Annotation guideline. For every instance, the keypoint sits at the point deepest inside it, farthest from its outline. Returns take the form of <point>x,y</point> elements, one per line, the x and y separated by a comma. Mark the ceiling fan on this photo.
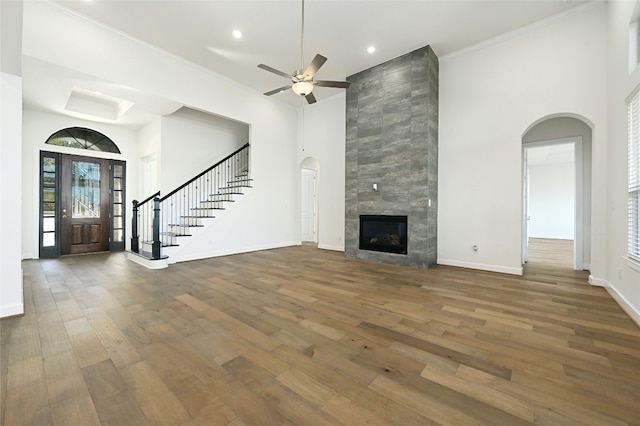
<point>302,82</point>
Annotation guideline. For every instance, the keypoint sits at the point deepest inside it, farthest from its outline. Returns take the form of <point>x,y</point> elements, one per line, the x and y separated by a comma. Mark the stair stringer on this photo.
<point>175,253</point>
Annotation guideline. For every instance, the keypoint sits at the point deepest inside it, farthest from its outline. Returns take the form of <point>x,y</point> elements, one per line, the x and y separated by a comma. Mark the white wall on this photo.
<point>11,294</point>
<point>36,129</point>
<point>117,58</point>
<point>489,96</point>
<point>149,152</point>
<point>621,279</point>
<point>323,127</point>
<point>552,201</point>
<point>192,142</point>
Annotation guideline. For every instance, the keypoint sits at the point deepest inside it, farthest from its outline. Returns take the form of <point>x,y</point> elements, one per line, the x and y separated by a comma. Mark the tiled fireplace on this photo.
<point>392,158</point>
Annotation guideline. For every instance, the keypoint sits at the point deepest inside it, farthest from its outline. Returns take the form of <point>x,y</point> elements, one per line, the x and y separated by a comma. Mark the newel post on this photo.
<point>135,237</point>
<point>155,249</point>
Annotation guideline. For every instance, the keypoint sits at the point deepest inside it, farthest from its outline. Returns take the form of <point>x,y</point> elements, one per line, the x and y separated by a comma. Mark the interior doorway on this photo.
<point>556,205</point>
<point>309,206</point>
<point>550,202</point>
<point>309,195</point>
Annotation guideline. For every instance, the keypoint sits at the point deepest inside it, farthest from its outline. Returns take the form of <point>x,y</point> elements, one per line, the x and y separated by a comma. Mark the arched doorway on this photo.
<point>556,155</point>
<point>309,170</point>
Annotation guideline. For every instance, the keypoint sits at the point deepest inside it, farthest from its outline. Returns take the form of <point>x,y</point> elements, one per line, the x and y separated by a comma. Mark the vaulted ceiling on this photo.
<point>201,32</point>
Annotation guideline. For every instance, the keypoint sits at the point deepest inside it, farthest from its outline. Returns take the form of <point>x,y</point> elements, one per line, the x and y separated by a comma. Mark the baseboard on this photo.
<point>626,306</point>
<point>12,310</point>
<point>329,247</point>
<point>599,282</point>
<point>198,256</point>
<point>147,263</point>
<point>481,266</point>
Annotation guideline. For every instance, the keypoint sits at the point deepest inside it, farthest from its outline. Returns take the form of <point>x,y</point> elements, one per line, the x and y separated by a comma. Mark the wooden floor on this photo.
<point>304,336</point>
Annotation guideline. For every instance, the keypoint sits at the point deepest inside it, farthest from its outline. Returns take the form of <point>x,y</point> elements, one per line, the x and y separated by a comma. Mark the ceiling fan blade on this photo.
<point>310,98</point>
<point>338,84</point>
<point>275,71</point>
<point>314,66</point>
<point>279,90</point>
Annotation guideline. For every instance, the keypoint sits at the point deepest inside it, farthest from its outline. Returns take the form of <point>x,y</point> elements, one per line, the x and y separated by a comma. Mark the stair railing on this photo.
<point>170,216</point>
<point>142,221</point>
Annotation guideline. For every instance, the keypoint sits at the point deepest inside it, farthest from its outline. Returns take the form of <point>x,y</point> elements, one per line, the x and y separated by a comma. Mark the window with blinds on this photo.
<point>634,177</point>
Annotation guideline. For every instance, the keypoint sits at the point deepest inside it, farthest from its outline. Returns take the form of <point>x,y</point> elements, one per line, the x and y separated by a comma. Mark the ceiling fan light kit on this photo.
<point>302,83</point>
<point>302,88</point>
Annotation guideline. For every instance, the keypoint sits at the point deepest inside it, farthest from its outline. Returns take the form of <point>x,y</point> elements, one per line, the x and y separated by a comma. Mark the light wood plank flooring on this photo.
<point>303,336</point>
<point>551,252</point>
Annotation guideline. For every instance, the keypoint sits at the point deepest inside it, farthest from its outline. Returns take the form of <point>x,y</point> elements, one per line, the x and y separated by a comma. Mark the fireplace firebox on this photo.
<point>383,233</point>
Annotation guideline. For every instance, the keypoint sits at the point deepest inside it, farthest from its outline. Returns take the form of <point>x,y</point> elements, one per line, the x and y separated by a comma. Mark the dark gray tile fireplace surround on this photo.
<point>392,144</point>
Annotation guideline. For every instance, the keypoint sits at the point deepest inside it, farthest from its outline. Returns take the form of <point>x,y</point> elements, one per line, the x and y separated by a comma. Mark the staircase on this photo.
<point>161,226</point>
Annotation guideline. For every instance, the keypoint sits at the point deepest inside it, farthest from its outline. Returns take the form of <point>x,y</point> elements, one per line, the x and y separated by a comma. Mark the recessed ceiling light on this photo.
<point>237,33</point>
<point>371,49</point>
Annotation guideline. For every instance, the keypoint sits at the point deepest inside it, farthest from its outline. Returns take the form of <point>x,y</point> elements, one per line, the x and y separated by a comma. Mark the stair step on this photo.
<point>226,198</point>
<point>230,190</point>
<point>150,243</point>
<point>173,234</point>
<point>203,209</point>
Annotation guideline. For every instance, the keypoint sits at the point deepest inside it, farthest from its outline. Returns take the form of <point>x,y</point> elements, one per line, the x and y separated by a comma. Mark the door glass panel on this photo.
<point>48,164</point>
<point>48,224</point>
<point>49,195</point>
<point>117,208</point>
<point>48,209</point>
<point>49,179</point>
<point>48,239</point>
<point>85,190</point>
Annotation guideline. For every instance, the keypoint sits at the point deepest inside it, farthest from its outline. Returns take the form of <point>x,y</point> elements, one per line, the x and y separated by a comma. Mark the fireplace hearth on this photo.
<point>383,233</point>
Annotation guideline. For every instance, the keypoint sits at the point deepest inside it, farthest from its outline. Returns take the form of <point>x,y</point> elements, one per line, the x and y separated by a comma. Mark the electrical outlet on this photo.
<point>619,273</point>
<point>475,247</point>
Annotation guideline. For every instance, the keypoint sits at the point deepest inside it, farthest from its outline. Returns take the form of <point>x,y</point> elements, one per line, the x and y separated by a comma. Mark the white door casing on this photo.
<point>309,206</point>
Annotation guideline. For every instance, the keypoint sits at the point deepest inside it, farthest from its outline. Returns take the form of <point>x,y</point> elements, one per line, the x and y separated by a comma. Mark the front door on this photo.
<point>84,204</point>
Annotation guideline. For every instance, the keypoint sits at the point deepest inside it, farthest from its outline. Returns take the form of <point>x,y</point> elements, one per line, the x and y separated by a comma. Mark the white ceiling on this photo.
<point>200,31</point>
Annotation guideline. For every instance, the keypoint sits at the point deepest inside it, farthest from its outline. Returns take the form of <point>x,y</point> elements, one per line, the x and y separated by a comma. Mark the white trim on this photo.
<point>522,30</point>
<point>147,263</point>
<point>631,263</point>
<point>598,282</point>
<point>330,247</point>
<point>481,266</point>
<point>11,310</point>
<point>624,304</point>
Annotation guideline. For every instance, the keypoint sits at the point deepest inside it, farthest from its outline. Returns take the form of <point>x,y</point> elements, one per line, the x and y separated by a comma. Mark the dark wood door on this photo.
<point>84,205</point>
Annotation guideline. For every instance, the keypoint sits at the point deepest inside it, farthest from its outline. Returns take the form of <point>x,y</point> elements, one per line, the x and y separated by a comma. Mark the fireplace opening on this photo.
<point>383,233</point>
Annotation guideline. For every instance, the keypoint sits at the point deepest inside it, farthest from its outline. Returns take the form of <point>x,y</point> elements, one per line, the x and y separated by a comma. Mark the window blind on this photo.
<point>634,177</point>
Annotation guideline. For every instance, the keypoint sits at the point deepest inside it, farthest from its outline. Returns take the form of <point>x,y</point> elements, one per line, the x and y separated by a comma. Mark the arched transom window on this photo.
<point>82,138</point>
